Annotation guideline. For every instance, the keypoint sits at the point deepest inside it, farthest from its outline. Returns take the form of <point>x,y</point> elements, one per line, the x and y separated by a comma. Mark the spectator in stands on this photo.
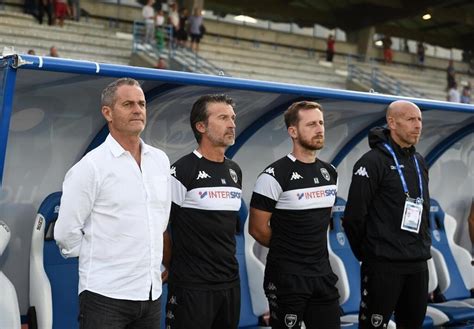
<point>387,49</point>
<point>45,5</point>
<point>161,63</point>
<point>148,13</point>
<point>450,74</point>
<point>406,46</point>
<point>61,11</point>
<point>420,51</point>
<point>29,7</point>
<point>182,34</point>
<point>466,94</point>
<point>75,9</point>
<point>173,17</point>
<point>114,211</point>
<point>31,52</point>
<point>53,52</point>
<point>386,222</point>
<point>160,29</point>
<point>330,48</point>
<point>195,23</point>
<point>453,94</point>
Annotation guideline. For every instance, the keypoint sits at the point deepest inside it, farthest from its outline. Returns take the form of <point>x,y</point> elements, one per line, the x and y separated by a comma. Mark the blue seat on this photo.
<point>458,306</point>
<point>53,279</point>
<point>347,267</point>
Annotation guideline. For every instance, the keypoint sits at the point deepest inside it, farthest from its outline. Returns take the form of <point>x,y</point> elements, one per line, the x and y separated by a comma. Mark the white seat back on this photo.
<point>40,287</point>
<point>461,256</point>
<point>9,309</point>
<point>256,273</point>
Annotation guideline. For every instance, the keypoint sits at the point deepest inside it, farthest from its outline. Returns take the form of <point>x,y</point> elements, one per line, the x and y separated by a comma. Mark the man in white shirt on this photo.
<point>453,94</point>
<point>114,210</point>
<point>148,14</point>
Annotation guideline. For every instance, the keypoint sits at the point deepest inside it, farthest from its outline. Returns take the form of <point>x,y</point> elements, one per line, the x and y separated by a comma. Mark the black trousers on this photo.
<point>388,288</point>
<point>97,311</point>
<point>202,308</point>
<point>295,298</point>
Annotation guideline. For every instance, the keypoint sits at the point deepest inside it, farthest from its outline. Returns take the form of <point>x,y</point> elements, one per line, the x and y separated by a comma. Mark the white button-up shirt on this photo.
<point>113,214</point>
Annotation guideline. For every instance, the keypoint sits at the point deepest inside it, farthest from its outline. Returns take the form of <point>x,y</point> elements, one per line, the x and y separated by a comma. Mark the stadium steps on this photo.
<point>245,59</point>
<point>75,40</point>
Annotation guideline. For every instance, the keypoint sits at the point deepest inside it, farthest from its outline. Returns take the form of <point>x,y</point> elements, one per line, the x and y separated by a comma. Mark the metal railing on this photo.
<point>381,82</point>
<point>184,58</point>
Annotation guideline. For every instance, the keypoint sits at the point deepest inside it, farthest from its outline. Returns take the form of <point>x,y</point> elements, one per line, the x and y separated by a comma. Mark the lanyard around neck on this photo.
<point>400,173</point>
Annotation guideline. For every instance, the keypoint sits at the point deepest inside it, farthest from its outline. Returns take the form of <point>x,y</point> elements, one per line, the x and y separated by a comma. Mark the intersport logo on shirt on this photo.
<point>220,194</point>
<point>317,194</point>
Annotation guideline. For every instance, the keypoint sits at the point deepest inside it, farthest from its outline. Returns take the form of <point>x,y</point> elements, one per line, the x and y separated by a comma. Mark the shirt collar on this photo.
<point>117,149</point>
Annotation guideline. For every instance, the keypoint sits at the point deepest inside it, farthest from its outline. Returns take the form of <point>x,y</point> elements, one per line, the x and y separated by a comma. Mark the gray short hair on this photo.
<point>108,98</point>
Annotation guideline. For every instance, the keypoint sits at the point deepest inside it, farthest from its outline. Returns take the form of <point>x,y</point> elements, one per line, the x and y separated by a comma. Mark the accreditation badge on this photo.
<point>411,219</point>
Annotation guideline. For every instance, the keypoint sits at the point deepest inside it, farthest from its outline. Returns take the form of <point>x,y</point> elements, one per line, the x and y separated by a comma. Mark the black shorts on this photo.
<point>295,298</point>
<point>196,37</point>
<point>387,288</point>
<point>204,309</point>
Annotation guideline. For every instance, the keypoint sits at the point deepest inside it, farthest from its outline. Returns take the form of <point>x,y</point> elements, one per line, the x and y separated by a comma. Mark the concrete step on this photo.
<point>63,47</point>
<point>87,28</point>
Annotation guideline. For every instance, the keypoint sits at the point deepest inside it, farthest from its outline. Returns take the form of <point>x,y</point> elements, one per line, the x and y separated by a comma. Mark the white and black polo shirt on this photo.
<point>206,199</point>
<point>300,197</point>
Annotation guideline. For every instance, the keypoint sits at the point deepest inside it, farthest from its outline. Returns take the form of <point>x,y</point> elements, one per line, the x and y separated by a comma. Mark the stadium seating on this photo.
<point>76,40</point>
<point>9,310</point>
<point>459,305</point>
<point>244,60</point>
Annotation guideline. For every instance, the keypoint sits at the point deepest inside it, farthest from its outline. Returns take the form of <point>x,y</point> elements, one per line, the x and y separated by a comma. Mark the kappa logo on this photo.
<point>202,174</point>
<point>173,171</point>
<point>290,320</point>
<point>376,320</point>
<point>316,180</point>
<point>295,176</point>
<point>361,172</point>
<point>172,300</point>
<point>270,170</point>
<point>271,286</point>
<point>325,174</point>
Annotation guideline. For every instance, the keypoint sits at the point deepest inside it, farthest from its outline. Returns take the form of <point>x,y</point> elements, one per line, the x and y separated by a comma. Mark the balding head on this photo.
<point>404,122</point>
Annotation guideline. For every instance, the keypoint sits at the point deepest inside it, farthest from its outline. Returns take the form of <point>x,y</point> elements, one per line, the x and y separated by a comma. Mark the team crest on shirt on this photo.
<point>233,175</point>
<point>290,320</point>
<point>376,320</point>
<point>325,174</point>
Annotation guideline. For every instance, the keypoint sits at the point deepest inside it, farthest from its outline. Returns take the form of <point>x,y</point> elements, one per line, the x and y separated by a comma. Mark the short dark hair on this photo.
<point>108,98</point>
<point>199,110</point>
<point>291,114</point>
